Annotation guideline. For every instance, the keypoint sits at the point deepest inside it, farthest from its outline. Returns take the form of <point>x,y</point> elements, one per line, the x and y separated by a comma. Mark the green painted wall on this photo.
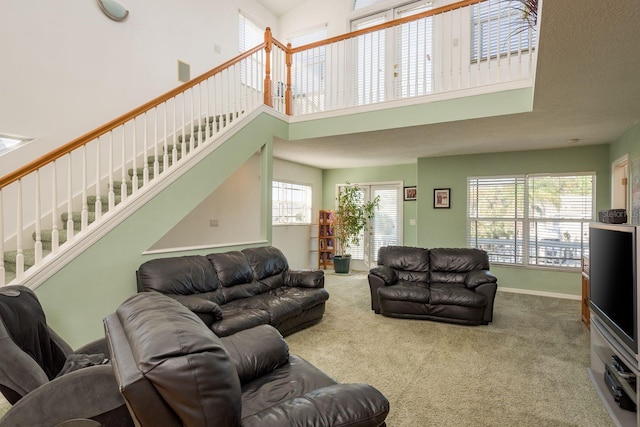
<point>79,296</point>
<point>628,143</point>
<point>405,173</point>
<point>463,108</point>
<point>447,227</point>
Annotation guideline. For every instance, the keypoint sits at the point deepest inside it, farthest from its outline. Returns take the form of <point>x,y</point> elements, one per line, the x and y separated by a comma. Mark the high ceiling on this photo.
<point>587,87</point>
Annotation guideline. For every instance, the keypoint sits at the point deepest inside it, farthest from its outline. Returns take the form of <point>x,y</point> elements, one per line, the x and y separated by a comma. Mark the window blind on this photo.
<point>531,219</point>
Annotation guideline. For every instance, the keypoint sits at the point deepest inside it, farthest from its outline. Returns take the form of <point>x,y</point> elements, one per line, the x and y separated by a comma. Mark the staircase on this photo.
<point>207,128</point>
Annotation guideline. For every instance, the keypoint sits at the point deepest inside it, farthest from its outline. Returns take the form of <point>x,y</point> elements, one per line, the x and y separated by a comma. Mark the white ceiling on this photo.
<point>587,87</point>
<point>280,7</point>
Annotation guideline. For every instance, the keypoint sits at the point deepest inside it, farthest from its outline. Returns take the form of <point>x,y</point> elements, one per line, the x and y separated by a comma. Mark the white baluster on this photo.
<point>208,132</point>
<point>174,152</point>
<point>98,204</point>
<point>195,133</point>
<point>112,194</point>
<point>134,176</point>
<point>70,201</point>
<point>145,160</point>
<point>123,184</point>
<point>165,154</point>
<point>19,231</point>
<point>38,242</point>
<point>156,162</point>
<point>55,234</point>
<point>84,215</point>
<point>183,145</point>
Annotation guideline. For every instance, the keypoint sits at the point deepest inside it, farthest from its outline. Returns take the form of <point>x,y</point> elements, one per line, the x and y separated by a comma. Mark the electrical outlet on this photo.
<point>213,223</point>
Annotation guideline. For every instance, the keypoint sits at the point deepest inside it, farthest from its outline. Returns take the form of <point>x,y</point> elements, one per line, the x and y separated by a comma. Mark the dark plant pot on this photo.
<point>341,263</point>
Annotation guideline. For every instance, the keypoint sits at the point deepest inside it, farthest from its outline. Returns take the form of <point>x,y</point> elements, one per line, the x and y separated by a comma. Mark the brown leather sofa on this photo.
<point>174,371</point>
<point>445,284</point>
<point>238,290</point>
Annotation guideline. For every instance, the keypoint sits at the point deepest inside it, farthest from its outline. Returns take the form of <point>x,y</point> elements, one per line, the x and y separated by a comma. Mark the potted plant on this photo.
<point>351,219</point>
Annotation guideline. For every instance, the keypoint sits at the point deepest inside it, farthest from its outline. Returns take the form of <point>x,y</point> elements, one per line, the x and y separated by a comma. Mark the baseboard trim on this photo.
<point>540,293</point>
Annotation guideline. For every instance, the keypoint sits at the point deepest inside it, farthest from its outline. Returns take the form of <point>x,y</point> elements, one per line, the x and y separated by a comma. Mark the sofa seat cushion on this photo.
<point>405,291</point>
<point>291,380</point>
<point>448,294</point>
<point>279,308</point>
<point>306,297</point>
<point>235,319</point>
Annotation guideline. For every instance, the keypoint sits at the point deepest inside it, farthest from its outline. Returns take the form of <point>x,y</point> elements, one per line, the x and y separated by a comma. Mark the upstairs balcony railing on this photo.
<point>48,205</point>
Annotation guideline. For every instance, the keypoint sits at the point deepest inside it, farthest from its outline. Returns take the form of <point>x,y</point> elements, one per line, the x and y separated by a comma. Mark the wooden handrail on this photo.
<point>90,136</point>
<point>388,24</point>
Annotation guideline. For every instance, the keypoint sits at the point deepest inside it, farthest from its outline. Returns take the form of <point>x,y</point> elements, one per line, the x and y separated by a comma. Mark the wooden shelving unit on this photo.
<point>326,239</point>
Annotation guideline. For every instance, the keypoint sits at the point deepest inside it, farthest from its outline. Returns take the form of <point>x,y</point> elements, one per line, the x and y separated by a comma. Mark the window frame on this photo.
<point>526,230</point>
<point>287,208</point>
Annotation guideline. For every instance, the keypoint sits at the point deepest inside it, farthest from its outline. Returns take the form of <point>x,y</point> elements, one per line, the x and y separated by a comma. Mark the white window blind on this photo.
<point>385,221</point>
<point>498,28</point>
<point>531,219</point>
<point>291,203</point>
<point>250,36</point>
<point>413,66</point>
<point>370,56</point>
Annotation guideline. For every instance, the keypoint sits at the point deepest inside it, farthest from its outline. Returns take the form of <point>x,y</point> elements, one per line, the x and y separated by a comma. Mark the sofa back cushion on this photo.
<point>235,275</point>
<point>186,364</point>
<point>411,264</point>
<point>451,265</point>
<point>185,275</point>
<point>268,265</point>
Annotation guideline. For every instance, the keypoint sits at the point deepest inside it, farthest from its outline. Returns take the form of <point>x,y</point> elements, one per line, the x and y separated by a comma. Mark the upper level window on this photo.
<point>291,203</point>
<point>361,4</point>
<point>499,27</point>
<point>309,70</point>
<point>540,220</point>
<point>250,36</point>
<point>8,143</point>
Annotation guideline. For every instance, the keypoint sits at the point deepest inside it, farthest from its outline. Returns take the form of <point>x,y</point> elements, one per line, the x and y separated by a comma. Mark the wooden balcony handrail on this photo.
<point>387,24</point>
<point>113,124</point>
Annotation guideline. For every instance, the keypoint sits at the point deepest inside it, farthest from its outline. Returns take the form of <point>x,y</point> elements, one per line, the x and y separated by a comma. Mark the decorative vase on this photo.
<point>341,263</point>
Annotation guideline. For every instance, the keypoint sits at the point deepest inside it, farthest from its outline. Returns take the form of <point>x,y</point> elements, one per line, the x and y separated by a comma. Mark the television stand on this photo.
<point>619,390</point>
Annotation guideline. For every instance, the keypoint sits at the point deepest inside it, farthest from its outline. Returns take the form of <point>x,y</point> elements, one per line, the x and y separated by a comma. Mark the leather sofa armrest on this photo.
<point>387,274</point>
<point>304,278</point>
<point>256,351</point>
<point>198,304</point>
<point>478,277</point>
<point>335,405</point>
<point>99,346</point>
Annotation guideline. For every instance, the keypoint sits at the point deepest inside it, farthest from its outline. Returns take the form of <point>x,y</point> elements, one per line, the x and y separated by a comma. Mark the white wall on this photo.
<point>296,241</point>
<point>234,205</point>
<point>67,68</point>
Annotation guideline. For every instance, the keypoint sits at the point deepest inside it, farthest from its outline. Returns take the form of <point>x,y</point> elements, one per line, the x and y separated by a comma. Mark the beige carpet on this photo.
<point>527,368</point>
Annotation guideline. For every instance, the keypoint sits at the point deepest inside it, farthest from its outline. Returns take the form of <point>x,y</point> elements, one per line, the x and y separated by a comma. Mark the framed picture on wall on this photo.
<point>441,198</point>
<point>410,193</point>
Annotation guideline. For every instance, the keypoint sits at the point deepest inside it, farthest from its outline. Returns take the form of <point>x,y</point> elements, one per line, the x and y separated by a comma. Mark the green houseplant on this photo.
<point>351,219</point>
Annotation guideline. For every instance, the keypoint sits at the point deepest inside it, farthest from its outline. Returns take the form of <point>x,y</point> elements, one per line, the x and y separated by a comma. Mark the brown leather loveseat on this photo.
<point>446,284</point>
<point>174,371</point>
<point>238,290</point>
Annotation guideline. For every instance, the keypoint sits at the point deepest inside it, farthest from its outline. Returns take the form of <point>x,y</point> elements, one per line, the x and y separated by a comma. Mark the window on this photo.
<point>291,203</point>
<point>540,220</point>
<point>8,143</point>
<point>498,27</point>
<point>360,4</point>
<point>308,70</point>
<point>250,36</point>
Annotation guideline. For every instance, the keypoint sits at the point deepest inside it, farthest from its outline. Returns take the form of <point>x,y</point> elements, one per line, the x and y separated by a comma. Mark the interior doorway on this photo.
<point>619,183</point>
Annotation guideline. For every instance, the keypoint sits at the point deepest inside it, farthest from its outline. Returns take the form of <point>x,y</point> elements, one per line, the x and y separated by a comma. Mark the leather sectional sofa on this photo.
<point>238,290</point>
<point>172,371</point>
<point>445,284</point>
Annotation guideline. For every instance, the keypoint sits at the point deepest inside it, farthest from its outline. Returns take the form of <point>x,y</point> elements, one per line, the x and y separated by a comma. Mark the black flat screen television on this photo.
<point>613,280</point>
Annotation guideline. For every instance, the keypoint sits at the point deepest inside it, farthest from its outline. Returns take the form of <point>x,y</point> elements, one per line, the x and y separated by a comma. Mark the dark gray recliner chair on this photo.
<point>174,371</point>
<point>32,358</point>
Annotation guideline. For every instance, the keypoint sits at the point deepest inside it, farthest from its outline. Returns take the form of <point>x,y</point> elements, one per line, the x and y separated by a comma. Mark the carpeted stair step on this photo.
<point>45,238</point>
<point>104,199</point>
<point>117,190</point>
<point>140,173</point>
<point>76,217</point>
<point>29,261</point>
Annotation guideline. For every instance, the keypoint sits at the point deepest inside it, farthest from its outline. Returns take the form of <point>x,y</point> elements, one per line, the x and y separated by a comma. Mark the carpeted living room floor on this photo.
<point>527,368</point>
